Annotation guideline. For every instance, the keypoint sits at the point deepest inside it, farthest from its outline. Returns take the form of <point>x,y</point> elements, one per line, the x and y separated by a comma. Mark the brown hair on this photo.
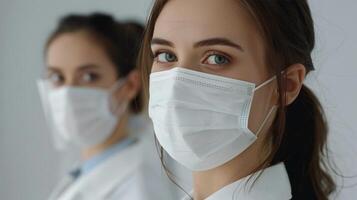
<point>300,128</point>
<point>121,41</point>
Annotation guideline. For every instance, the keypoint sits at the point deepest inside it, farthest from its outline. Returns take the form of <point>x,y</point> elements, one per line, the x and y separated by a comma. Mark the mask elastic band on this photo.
<point>114,105</point>
<point>118,84</point>
<point>265,83</point>
<point>266,119</point>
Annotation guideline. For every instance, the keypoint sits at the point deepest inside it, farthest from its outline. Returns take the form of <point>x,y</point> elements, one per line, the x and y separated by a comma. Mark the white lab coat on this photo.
<point>123,176</point>
<point>272,184</point>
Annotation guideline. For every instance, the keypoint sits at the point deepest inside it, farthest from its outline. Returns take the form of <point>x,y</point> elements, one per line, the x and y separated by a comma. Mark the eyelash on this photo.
<point>50,75</point>
<point>218,53</point>
<point>158,52</point>
<point>207,55</point>
<point>93,75</point>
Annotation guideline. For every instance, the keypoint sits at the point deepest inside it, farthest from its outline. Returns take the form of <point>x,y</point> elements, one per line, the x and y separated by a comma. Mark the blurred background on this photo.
<point>30,167</point>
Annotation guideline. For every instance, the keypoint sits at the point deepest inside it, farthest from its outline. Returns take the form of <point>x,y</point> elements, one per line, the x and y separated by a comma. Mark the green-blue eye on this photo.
<point>216,59</point>
<point>165,57</point>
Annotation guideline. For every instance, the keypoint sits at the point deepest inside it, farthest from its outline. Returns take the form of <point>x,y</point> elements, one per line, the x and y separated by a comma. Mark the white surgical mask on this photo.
<point>201,120</point>
<point>81,116</point>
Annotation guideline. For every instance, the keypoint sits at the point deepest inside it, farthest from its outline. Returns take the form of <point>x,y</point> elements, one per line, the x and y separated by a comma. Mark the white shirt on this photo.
<point>122,176</point>
<point>131,173</point>
<point>272,184</point>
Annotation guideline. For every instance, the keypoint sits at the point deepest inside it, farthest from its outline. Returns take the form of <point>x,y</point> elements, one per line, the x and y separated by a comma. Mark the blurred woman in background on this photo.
<point>91,90</point>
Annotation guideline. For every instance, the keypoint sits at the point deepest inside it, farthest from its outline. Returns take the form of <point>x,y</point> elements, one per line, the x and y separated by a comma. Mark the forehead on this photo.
<point>70,49</point>
<point>197,19</point>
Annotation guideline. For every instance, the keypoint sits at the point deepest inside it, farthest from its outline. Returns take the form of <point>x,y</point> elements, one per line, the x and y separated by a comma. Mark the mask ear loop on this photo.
<point>265,83</point>
<point>266,119</point>
<point>115,107</point>
<point>118,84</point>
<point>271,110</point>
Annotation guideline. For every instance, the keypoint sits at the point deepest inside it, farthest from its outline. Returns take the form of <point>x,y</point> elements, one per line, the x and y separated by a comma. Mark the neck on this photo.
<point>118,134</point>
<point>206,183</point>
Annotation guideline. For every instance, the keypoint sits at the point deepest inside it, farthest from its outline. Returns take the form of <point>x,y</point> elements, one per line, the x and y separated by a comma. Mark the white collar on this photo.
<point>272,184</point>
<point>110,173</point>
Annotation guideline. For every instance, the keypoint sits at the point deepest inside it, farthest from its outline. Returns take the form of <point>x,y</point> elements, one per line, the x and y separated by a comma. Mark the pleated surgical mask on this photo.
<point>200,119</point>
<point>82,116</point>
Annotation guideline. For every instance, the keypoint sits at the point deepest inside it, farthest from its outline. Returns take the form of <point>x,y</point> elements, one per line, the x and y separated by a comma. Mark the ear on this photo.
<point>131,86</point>
<point>295,76</point>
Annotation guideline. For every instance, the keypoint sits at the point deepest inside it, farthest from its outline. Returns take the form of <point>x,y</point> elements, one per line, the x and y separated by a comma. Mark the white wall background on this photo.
<point>28,164</point>
<point>335,81</point>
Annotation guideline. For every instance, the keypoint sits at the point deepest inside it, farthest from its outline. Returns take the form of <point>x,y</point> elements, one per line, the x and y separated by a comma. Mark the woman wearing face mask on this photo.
<point>91,91</point>
<point>228,101</point>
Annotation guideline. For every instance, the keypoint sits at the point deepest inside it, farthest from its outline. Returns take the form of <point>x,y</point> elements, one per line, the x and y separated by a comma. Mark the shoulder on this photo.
<point>132,188</point>
<point>144,179</point>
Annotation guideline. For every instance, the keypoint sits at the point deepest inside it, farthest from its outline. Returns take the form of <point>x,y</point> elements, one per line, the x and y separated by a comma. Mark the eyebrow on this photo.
<point>80,68</point>
<point>53,68</point>
<point>218,41</point>
<point>159,41</point>
<point>88,66</point>
<point>206,42</point>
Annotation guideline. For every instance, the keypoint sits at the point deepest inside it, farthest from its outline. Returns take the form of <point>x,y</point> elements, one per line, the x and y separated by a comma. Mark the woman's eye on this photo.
<point>56,79</point>
<point>216,59</point>
<point>165,57</point>
<point>90,77</point>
